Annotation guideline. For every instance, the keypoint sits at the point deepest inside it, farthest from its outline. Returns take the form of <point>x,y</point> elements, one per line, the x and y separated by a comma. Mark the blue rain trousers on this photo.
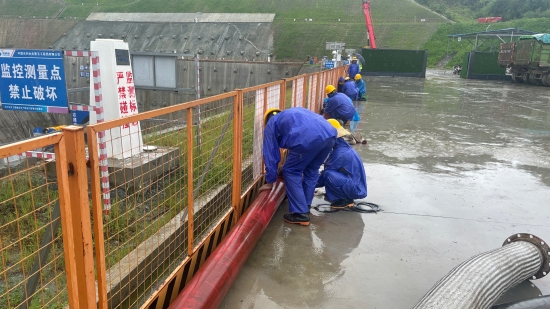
<point>340,107</point>
<point>309,139</point>
<point>350,90</point>
<point>344,174</point>
<point>361,88</point>
<point>353,70</point>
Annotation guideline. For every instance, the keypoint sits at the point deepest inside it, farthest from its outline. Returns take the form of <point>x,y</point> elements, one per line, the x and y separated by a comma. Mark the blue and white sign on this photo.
<point>329,64</point>
<point>80,117</point>
<point>33,81</point>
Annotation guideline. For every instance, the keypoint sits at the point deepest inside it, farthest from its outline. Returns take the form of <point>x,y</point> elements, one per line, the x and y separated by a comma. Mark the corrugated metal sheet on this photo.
<point>232,41</point>
<point>183,17</point>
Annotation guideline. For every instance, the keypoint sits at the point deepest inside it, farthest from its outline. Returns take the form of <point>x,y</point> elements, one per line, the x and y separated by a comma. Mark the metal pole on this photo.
<point>199,136</point>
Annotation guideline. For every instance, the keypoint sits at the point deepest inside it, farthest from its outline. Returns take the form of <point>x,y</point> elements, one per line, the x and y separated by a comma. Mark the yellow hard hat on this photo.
<point>270,113</point>
<point>329,89</point>
<point>357,76</point>
<point>341,131</point>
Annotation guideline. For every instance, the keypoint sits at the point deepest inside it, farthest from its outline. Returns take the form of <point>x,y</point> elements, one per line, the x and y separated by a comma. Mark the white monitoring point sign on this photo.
<point>119,97</point>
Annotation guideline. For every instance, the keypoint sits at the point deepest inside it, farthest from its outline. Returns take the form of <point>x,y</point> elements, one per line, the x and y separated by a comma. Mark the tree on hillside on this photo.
<point>515,9</point>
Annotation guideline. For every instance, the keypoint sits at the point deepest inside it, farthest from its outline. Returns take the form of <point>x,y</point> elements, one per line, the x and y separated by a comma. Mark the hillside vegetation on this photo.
<point>469,10</point>
<point>397,23</point>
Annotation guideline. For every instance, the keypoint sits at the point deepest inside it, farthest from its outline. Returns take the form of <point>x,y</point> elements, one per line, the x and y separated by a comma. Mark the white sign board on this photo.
<point>119,97</point>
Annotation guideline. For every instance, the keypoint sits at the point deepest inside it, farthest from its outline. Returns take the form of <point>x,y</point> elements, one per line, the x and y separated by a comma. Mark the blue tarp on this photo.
<point>541,37</point>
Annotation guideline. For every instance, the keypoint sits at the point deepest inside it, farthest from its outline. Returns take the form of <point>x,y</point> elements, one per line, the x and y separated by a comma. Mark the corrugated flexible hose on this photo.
<point>478,282</point>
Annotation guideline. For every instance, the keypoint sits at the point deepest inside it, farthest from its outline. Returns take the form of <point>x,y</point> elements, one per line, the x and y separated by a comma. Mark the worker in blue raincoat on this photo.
<point>340,83</point>
<point>353,68</point>
<point>343,175</point>
<point>338,106</point>
<point>361,87</point>
<point>349,89</point>
<point>309,139</point>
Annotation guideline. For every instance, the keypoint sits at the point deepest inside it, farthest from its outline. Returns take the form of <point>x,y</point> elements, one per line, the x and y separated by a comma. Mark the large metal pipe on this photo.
<point>210,284</point>
<point>478,282</point>
<point>533,303</point>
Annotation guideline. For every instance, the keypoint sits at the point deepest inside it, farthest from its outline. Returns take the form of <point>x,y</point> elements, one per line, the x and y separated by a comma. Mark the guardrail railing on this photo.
<point>174,194</point>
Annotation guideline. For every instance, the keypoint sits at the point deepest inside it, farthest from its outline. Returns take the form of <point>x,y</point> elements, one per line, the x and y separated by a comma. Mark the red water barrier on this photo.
<point>210,284</point>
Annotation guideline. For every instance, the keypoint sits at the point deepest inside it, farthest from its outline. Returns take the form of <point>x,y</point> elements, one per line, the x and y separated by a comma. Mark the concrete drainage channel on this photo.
<point>480,281</point>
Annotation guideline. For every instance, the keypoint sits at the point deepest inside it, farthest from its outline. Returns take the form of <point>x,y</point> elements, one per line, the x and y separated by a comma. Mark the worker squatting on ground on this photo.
<point>353,68</point>
<point>343,175</point>
<point>361,87</point>
<point>349,89</point>
<point>338,105</point>
<point>309,139</point>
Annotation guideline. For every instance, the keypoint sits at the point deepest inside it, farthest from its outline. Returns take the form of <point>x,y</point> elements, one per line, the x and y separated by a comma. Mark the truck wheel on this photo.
<point>546,79</point>
<point>517,79</point>
<point>525,77</point>
<point>533,80</point>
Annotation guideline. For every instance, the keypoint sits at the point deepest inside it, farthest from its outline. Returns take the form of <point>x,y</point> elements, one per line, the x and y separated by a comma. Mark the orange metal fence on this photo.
<point>178,181</point>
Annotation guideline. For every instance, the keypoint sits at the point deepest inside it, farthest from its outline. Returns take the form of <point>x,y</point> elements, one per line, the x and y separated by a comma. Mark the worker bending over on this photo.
<point>343,176</point>
<point>338,106</point>
<point>361,87</point>
<point>349,89</point>
<point>309,139</point>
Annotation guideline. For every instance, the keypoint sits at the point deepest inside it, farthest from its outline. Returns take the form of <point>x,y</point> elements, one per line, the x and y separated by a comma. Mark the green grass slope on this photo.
<point>438,43</point>
<point>29,8</point>
<point>394,21</point>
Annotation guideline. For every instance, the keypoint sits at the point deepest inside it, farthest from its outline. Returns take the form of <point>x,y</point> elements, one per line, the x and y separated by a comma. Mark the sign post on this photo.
<point>33,81</point>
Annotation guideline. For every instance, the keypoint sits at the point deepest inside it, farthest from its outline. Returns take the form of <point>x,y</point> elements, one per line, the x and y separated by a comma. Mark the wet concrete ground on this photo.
<point>457,165</point>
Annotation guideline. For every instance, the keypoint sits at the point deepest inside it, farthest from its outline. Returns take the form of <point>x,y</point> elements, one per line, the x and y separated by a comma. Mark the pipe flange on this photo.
<point>540,244</point>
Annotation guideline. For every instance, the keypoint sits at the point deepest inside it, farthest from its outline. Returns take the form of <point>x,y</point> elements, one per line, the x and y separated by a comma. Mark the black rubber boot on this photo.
<point>341,204</point>
<point>296,218</point>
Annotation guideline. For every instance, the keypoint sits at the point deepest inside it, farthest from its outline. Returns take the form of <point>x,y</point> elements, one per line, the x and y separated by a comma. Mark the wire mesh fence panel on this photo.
<point>312,92</point>
<point>212,165</point>
<point>289,94</point>
<point>145,229</point>
<point>298,86</point>
<point>32,269</point>
<point>253,110</point>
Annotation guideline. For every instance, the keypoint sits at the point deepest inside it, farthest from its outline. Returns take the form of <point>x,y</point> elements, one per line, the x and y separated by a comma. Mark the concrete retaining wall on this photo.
<point>216,77</point>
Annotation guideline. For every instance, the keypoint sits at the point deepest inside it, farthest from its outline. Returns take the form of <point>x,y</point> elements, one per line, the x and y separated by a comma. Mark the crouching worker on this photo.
<point>338,105</point>
<point>344,176</point>
<point>309,139</point>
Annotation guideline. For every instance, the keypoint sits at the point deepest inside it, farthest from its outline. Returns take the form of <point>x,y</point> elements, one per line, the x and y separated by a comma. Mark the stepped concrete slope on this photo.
<point>213,36</point>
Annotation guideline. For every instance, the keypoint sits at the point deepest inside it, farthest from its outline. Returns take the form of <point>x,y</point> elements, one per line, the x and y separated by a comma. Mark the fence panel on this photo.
<point>32,268</point>
<point>213,166</point>
<point>256,101</point>
<point>145,230</point>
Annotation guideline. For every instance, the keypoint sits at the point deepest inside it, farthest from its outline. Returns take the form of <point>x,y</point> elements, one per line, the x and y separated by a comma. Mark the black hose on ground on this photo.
<point>362,207</point>
<point>542,302</point>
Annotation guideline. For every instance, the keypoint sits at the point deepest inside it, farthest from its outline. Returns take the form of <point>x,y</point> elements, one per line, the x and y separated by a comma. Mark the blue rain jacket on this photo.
<point>309,139</point>
<point>340,84</point>
<point>340,107</point>
<point>350,90</point>
<point>361,88</point>
<point>344,174</point>
<point>353,70</point>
